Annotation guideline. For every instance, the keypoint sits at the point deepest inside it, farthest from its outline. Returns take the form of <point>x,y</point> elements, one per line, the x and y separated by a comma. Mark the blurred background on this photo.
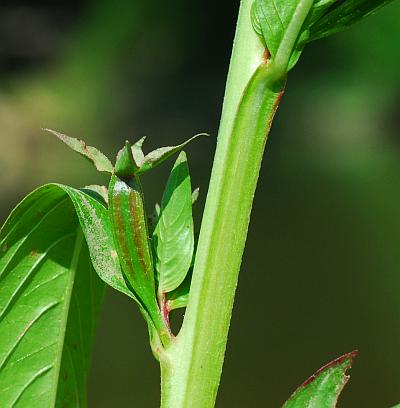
<point>321,272</point>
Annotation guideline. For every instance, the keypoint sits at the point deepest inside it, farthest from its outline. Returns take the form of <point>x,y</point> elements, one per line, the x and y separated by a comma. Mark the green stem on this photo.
<point>192,365</point>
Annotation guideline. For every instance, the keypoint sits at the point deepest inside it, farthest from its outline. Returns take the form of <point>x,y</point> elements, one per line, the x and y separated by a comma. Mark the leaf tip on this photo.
<point>349,357</point>
<point>125,164</point>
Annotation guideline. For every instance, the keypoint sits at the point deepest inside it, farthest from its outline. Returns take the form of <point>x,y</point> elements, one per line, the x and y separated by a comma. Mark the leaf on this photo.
<point>179,297</point>
<point>100,161</point>
<point>173,237</point>
<point>158,156</point>
<point>129,228</point>
<point>280,24</point>
<point>318,10</point>
<point>195,195</point>
<point>137,151</point>
<point>98,192</point>
<point>45,279</point>
<point>95,222</point>
<point>271,19</point>
<point>343,15</point>
<point>322,389</point>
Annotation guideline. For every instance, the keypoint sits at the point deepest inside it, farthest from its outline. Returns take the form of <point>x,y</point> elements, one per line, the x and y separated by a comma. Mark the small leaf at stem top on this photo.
<point>173,237</point>
<point>158,156</point>
<point>322,389</point>
<point>137,151</point>
<point>100,161</point>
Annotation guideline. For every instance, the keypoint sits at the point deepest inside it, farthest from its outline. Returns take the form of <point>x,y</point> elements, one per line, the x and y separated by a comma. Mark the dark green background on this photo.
<point>321,272</point>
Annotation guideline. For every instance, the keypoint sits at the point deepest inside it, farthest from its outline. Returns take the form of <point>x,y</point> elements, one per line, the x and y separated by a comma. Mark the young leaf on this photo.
<point>100,161</point>
<point>195,195</point>
<point>322,389</point>
<point>158,156</point>
<point>173,237</point>
<point>137,151</point>
<point>343,15</point>
<point>179,297</point>
<point>49,301</point>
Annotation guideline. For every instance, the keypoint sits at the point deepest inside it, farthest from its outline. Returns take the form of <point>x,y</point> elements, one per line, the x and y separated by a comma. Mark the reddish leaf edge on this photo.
<point>348,356</point>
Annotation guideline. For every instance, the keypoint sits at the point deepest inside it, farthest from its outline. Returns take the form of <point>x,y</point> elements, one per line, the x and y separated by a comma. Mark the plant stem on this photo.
<point>191,367</point>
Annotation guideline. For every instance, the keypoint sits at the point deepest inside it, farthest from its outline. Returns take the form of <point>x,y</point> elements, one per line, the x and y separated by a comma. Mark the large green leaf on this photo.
<point>173,236</point>
<point>322,389</point>
<point>49,302</point>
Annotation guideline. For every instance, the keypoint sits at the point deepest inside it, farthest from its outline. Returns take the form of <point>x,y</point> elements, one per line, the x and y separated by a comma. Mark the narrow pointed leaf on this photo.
<point>137,151</point>
<point>343,15</point>
<point>173,237</point>
<point>158,156</point>
<point>100,161</point>
<point>319,8</point>
<point>46,278</point>
<point>195,195</point>
<point>322,389</point>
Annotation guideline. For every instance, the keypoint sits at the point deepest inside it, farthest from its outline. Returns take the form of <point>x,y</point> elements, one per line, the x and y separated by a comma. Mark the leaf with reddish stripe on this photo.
<point>323,388</point>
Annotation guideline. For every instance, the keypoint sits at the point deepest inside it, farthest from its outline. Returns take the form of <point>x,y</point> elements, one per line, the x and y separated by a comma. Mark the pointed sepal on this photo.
<point>137,151</point>
<point>195,195</point>
<point>95,156</point>
<point>158,156</point>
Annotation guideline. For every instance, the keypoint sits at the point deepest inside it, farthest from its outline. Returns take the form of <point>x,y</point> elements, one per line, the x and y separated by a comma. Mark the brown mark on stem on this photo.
<point>165,311</point>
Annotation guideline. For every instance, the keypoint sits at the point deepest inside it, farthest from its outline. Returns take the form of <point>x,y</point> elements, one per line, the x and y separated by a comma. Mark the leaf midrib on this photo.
<point>63,327</point>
